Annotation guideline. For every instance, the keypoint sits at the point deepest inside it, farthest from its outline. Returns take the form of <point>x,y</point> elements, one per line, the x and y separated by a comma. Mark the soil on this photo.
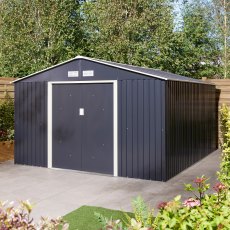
<point>6,151</point>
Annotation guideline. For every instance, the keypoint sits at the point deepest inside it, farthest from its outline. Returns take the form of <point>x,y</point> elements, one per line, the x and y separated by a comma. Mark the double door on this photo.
<point>82,127</point>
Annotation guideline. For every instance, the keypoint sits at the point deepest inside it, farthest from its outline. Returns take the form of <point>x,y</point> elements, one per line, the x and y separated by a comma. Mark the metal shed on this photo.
<point>105,117</point>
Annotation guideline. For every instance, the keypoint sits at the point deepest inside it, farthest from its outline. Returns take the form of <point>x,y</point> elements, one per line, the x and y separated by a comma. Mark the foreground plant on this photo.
<point>212,214</point>
<point>108,224</point>
<point>203,211</point>
<point>143,218</point>
<point>18,218</point>
<point>224,173</point>
<point>198,191</point>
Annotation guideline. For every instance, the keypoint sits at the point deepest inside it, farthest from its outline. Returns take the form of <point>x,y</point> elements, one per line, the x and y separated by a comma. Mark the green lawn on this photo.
<point>84,218</point>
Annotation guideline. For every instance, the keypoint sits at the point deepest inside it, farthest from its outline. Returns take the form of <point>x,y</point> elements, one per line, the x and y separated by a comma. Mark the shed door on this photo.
<point>83,127</point>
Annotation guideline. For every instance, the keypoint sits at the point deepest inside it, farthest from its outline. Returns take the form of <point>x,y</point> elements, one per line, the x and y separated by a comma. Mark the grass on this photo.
<point>83,218</point>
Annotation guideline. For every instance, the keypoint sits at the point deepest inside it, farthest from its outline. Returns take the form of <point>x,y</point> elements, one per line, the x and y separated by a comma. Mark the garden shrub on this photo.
<point>224,174</point>
<point>18,218</point>
<point>202,211</point>
<point>7,119</point>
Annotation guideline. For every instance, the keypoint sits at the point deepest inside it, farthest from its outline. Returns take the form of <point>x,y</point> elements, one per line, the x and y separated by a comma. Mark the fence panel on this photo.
<point>223,85</point>
<point>6,88</point>
<point>223,94</point>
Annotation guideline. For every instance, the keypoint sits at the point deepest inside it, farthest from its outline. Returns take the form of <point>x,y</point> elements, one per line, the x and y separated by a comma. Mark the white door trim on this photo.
<point>115,119</point>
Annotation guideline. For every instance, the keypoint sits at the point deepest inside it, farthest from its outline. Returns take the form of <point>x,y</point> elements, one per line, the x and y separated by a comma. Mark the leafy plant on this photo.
<point>199,190</point>
<point>7,119</point>
<point>224,173</point>
<point>203,211</point>
<point>143,214</point>
<point>212,214</point>
<point>12,217</point>
<point>108,223</point>
<point>143,218</point>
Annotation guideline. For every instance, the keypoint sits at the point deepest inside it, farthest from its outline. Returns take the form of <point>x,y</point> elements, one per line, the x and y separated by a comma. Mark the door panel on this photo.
<point>66,126</point>
<point>97,133</point>
<point>83,141</point>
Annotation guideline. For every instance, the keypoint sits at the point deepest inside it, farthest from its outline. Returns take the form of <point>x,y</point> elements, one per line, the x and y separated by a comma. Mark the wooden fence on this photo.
<point>6,88</point>
<point>223,86</point>
<point>223,94</point>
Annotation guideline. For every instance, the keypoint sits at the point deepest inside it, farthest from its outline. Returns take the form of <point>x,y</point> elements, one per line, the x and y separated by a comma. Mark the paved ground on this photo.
<point>57,192</point>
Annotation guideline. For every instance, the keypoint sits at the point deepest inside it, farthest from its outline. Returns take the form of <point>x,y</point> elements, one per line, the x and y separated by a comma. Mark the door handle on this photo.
<point>81,111</point>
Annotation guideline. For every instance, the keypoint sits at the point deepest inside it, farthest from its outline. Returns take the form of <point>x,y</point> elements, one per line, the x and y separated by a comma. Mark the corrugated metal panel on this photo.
<point>152,125</point>
<point>17,118</point>
<point>191,124</point>
<point>141,129</point>
<point>31,123</point>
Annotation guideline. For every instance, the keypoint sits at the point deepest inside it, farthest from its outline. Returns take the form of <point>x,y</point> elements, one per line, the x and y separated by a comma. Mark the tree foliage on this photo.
<point>131,32</point>
<point>36,34</point>
<point>195,49</point>
<point>7,119</point>
<point>222,18</point>
<point>143,33</point>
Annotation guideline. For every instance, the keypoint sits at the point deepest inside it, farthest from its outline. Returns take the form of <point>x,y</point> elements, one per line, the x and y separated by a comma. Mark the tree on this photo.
<point>222,13</point>
<point>195,47</point>
<point>143,33</point>
<point>131,32</point>
<point>36,34</point>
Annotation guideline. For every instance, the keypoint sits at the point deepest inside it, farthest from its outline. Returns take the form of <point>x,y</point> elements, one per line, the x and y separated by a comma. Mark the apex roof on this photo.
<point>155,73</point>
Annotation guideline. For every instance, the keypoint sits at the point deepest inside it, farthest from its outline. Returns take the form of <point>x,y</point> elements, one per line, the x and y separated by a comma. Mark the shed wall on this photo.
<point>31,123</point>
<point>142,129</point>
<point>141,138</point>
<point>191,124</point>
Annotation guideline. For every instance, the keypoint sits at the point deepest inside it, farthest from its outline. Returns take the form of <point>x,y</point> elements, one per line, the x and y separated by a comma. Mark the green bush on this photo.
<point>202,211</point>
<point>224,174</point>
<point>7,119</point>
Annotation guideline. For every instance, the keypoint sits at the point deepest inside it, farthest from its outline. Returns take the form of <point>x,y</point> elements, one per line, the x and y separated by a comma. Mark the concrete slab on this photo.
<point>58,192</point>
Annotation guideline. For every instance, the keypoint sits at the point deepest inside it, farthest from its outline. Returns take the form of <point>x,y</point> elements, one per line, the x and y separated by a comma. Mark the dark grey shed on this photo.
<point>99,116</point>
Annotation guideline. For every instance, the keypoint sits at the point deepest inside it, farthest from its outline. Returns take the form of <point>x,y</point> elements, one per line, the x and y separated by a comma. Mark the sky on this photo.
<point>177,12</point>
